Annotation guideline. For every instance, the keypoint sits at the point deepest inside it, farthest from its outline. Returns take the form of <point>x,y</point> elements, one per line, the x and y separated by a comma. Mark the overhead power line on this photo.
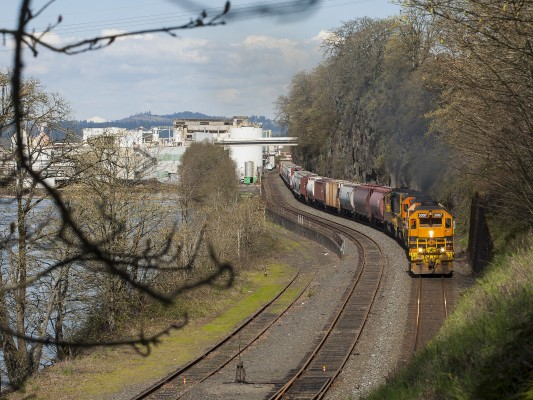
<point>237,13</point>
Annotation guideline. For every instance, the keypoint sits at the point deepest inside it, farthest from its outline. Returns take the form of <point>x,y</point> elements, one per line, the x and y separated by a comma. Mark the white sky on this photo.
<point>237,69</point>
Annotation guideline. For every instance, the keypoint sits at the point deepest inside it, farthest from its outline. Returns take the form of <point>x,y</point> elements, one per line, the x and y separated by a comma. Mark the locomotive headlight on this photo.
<point>420,250</point>
<point>431,233</point>
<point>442,249</point>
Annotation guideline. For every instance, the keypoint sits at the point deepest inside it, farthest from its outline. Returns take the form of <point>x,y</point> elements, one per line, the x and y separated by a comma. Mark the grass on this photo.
<point>485,349</point>
<point>106,371</point>
<point>266,287</point>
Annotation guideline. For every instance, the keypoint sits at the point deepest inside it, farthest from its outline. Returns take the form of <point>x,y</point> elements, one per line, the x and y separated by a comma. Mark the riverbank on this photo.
<point>116,373</point>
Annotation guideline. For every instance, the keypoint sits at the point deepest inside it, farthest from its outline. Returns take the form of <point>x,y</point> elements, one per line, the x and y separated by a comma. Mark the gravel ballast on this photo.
<point>287,343</point>
<point>281,350</point>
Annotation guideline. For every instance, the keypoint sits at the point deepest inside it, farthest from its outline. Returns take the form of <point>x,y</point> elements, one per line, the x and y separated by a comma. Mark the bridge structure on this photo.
<point>263,141</point>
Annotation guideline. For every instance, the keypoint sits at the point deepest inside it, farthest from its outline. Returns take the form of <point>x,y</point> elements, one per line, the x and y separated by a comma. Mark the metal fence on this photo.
<point>480,243</point>
<point>301,226</point>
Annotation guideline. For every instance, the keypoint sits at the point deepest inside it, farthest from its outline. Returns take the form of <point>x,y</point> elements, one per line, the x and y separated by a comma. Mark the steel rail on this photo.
<point>444,297</point>
<point>418,304</point>
<point>241,349</point>
<point>316,386</point>
<point>152,390</point>
<point>431,312</point>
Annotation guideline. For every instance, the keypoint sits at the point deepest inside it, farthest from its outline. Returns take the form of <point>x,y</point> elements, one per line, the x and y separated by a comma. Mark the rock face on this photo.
<point>361,115</point>
<point>353,148</point>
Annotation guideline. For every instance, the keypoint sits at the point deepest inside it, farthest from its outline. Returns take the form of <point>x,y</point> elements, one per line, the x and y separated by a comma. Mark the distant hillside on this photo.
<point>148,120</point>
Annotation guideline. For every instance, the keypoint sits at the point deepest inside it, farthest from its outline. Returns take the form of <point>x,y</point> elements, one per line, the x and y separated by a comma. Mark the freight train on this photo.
<point>424,227</point>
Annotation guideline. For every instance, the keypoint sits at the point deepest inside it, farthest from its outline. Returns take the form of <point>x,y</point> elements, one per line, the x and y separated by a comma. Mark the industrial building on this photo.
<point>156,153</point>
<point>249,145</point>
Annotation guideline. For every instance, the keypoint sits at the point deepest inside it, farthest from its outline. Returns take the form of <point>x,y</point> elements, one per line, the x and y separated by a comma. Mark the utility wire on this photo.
<point>237,13</point>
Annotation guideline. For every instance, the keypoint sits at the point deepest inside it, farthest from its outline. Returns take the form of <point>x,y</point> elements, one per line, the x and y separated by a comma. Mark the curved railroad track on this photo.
<point>317,373</point>
<point>318,369</point>
<point>186,378</point>
<point>433,297</point>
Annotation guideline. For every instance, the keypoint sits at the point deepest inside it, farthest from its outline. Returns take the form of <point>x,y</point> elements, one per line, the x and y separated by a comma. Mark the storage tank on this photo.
<point>249,168</point>
<point>249,172</point>
<point>243,154</point>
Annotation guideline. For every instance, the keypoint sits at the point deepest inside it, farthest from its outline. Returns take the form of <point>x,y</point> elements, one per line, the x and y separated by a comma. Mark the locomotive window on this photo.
<point>430,221</point>
<point>413,224</point>
<point>448,223</point>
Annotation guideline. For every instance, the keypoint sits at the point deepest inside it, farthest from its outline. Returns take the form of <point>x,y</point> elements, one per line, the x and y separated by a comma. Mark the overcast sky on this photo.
<point>237,69</point>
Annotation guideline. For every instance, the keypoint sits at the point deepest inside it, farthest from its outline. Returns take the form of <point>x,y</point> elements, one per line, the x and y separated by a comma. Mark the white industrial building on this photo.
<point>248,157</point>
<point>156,153</point>
<point>164,147</point>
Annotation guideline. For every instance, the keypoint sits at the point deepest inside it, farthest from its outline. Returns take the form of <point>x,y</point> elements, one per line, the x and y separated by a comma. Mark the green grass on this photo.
<point>288,297</point>
<point>106,371</point>
<point>266,288</point>
<point>485,349</point>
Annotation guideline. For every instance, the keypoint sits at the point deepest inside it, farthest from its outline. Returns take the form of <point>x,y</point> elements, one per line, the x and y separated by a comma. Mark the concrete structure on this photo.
<point>126,138</point>
<point>158,151</point>
<point>243,155</point>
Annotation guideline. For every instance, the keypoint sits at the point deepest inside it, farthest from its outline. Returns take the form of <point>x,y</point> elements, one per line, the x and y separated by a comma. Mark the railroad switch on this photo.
<point>240,373</point>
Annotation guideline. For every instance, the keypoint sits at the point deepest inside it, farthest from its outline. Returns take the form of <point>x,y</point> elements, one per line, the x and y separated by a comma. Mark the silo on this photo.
<point>247,157</point>
<point>249,168</point>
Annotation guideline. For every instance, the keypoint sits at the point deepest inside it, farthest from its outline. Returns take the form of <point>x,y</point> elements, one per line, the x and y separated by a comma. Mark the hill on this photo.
<point>484,350</point>
<point>148,120</point>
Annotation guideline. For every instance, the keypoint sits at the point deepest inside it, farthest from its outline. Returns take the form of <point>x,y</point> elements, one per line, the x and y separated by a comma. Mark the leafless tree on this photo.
<point>77,245</point>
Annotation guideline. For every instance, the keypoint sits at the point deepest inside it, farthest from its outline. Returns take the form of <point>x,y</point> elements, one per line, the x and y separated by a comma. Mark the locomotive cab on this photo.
<point>397,204</point>
<point>430,230</point>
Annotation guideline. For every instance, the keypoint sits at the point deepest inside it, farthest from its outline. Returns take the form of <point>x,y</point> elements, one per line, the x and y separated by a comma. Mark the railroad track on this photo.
<point>432,308</point>
<point>185,379</point>
<point>317,373</point>
<point>319,369</point>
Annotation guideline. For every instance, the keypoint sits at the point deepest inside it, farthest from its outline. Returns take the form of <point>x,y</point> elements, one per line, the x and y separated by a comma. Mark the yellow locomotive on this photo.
<point>430,229</point>
<point>425,227</point>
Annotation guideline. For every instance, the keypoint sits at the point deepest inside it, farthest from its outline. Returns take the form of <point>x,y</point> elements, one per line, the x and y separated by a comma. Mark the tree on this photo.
<point>308,113</point>
<point>19,251</point>
<point>483,69</point>
<point>207,176</point>
<point>73,242</point>
<point>356,53</point>
<point>112,206</point>
<point>234,226</point>
<point>361,114</point>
